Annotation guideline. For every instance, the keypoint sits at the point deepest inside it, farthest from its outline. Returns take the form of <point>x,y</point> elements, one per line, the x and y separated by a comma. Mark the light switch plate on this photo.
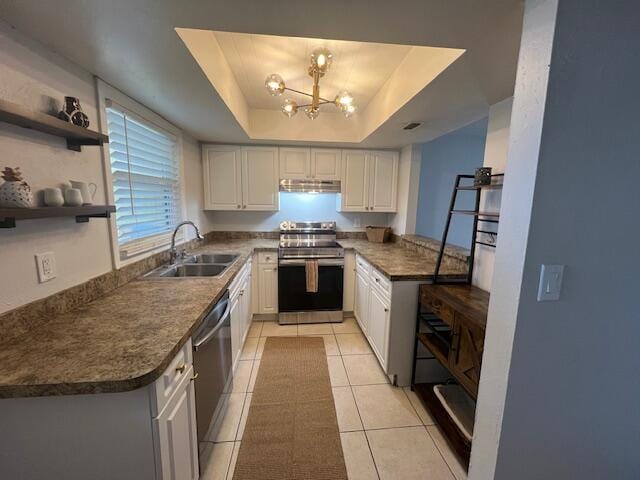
<point>46,263</point>
<point>550,282</point>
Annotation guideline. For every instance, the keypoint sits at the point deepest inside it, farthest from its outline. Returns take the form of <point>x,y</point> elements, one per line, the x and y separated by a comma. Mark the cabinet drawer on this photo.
<point>267,257</point>
<point>442,310</point>
<point>166,384</point>
<point>381,282</point>
<point>241,276</point>
<point>363,266</point>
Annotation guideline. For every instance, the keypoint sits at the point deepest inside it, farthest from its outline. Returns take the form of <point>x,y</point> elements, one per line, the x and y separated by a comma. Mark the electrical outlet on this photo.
<point>356,221</point>
<point>46,263</point>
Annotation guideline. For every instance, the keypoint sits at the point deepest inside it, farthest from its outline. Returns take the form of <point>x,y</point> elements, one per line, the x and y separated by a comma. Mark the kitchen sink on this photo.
<point>189,270</point>
<point>224,258</point>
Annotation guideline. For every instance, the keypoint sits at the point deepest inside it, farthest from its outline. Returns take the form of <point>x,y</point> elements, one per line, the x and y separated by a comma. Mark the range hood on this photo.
<point>310,186</point>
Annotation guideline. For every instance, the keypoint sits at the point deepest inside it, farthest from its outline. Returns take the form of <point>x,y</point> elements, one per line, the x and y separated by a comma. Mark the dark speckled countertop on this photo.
<point>127,338</point>
<point>119,342</point>
<point>396,262</point>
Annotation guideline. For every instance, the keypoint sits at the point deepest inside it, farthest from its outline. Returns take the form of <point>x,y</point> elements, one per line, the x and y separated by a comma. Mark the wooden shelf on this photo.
<point>456,439</point>
<point>8,216</point>
<point>491,186</point>
<point>76,136</point>
<point>477,214</point>
<point>436,346</point>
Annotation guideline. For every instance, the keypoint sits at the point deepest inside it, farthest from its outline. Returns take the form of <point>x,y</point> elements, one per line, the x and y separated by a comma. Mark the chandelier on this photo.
<point>321,59</point>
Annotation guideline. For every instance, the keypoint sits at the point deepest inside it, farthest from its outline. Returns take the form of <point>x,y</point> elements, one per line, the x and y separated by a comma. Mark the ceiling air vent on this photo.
<point>412,125</point>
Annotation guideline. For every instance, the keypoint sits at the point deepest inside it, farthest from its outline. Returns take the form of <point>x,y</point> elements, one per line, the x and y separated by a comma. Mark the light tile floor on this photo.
<point>386,433</point>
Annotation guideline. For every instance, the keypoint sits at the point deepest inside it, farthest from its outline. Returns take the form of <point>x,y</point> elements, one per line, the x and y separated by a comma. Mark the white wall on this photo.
<point>495,156</point>
<point>404,220</point>
<point>559,391</point>
<point>37,78</point>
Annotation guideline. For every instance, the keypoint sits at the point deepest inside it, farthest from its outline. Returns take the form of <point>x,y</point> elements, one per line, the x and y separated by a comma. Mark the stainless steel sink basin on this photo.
<point>225,258</point>
<point>189,270</point>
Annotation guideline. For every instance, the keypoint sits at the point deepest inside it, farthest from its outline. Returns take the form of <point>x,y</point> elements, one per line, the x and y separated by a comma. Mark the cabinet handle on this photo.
<point>244,206</point>
<point>194,377</point>
<point>377,280</point>
<point>241,292</point>
<point>386,309</point>
<point>239,206</point>
<point>181,368</point>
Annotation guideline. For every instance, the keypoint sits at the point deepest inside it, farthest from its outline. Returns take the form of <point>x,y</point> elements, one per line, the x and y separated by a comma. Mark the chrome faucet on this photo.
<point>173,253</point>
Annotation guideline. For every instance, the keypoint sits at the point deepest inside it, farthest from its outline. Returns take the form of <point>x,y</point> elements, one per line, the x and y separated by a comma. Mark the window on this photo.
<point>146,181</point>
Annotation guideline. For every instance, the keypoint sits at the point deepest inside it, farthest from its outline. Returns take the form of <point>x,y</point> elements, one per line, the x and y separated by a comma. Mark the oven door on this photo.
<point>292,286</point>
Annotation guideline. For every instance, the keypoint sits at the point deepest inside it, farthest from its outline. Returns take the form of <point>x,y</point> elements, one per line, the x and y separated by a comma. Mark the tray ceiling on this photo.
<point>381,77</point>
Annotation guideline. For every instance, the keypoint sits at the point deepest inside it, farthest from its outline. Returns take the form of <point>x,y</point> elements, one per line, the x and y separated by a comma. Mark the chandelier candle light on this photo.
<point>321,59</point>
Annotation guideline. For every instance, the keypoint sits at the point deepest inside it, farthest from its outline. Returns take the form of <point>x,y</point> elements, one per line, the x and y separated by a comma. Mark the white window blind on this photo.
<point>146,181</point>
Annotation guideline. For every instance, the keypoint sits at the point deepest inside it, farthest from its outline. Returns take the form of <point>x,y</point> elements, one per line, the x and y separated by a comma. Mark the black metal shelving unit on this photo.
<point>485,218</point>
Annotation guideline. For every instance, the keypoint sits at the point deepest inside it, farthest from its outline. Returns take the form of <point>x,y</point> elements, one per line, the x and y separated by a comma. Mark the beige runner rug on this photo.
<point>292,430</point>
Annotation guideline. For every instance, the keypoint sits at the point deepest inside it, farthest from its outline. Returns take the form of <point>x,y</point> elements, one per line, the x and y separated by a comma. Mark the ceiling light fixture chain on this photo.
<point>321,60</point>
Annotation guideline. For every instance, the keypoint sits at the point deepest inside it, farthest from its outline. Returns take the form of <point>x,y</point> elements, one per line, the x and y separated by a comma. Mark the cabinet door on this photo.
<point>361,302</point>
<point>349,281</point>
<point>377,326</point>
<point>326,164</point>
<point>383,181</point>
<point>295,163</point>
<point>355,181</point>
<point>268,289</point>
<point>222,171</point>
<point>260,178</point>
<point>465,356</point>
<point>236,329</point>
<point>245,296</point>
<point>177,435</point>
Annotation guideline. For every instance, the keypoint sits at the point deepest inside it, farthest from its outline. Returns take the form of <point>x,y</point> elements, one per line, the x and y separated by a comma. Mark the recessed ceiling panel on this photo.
<point>381,77</point>
<point>361,68</point>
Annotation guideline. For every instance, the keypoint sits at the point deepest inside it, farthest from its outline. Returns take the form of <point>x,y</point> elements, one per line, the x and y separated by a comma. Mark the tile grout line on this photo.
<point>415,410</point>
<point>440,452</point>
<point>364,432</point>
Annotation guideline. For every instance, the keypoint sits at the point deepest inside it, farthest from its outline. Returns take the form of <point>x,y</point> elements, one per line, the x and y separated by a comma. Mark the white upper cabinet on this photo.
<point>355,181</point>
<point>326,164</point>
<point>240,178</point>
<point>383,178</point>
<point>369,181</point>
<point>222,172</point>
<point>247,178</point>
<point>310,163</point>
<point>260,178</point>
<point>295,163</point>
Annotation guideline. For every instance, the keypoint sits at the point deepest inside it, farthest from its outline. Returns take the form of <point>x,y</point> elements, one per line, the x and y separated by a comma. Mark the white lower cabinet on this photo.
<point>361,303</point>
<point>236,340</point>
<point>386,312</point>
<point>176,434</point>
<point>379,312</point>
<point>267,283</point>
<point>241,309</point>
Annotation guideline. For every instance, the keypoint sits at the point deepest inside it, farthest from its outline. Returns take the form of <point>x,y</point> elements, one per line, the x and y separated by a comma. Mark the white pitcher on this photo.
<point>85,190</point>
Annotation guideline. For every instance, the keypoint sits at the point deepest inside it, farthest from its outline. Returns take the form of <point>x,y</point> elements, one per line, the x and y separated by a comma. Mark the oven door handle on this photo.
<point>322,262</point>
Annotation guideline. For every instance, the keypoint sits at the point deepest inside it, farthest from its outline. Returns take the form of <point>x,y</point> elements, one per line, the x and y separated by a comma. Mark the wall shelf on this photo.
<point>8,216</point>
<point>24,117</point>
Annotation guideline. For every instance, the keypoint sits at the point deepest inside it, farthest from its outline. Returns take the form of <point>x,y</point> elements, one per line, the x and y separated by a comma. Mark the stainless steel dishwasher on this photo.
<point>212,363</point>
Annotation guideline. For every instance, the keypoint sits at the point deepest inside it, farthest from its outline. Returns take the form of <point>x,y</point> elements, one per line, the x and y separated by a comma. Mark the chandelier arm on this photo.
<point>298,91</point>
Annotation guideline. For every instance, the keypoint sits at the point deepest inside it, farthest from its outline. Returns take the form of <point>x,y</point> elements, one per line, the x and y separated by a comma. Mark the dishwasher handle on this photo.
<point>215,329</point>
